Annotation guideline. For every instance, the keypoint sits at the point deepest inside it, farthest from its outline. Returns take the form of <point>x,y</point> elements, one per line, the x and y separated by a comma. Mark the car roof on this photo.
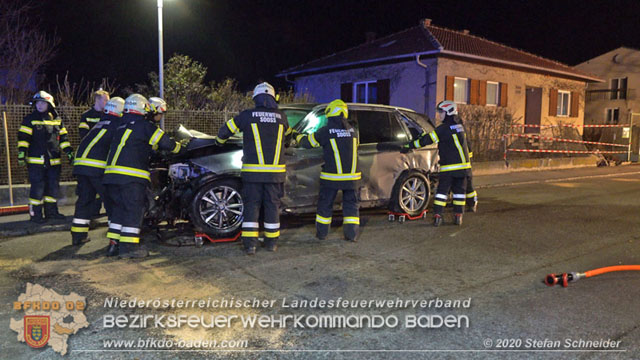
<point>311,106</point>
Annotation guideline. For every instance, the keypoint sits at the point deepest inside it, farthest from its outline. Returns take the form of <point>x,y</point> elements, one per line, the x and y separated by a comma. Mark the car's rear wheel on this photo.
<point>217,207</point>
<point>411,193</point>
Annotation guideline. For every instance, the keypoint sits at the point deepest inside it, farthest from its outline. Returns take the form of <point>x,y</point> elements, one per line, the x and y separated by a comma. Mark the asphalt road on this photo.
<point>528,225</point>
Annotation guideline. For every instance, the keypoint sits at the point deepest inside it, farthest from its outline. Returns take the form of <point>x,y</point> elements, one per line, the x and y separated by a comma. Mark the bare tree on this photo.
<point>80,93</point>
<point>24,49</point>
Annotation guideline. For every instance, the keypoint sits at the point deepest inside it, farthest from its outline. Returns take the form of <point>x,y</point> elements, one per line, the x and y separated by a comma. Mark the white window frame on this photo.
<point>568,103</point>
<point>466,92</point>
<point>497,99</point>
<point>366,90</point>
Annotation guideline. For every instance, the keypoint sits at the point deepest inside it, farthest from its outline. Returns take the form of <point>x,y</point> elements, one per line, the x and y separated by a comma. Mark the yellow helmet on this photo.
<point>337,107</point>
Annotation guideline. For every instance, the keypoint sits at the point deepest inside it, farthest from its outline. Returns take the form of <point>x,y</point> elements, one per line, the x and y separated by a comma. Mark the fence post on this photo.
<point>6,144</point>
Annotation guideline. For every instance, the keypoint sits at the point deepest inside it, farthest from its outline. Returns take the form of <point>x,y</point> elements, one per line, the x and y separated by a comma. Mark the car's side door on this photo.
<point>380,161</point>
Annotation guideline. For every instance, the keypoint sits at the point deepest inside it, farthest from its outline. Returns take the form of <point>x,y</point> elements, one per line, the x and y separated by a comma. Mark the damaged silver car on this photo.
<point>205,187</point>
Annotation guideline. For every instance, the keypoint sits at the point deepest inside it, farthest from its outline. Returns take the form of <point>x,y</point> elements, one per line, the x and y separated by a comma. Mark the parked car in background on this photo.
<point>204,186</point>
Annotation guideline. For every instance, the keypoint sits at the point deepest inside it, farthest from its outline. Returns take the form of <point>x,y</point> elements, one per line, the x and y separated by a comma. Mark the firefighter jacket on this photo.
<point>131,148</point>
<point>452,146</point>
<point>263,132</point>
<point>92,153</point>
<point>88,120</point>
<point>41,136</point>
<point>340,153</point>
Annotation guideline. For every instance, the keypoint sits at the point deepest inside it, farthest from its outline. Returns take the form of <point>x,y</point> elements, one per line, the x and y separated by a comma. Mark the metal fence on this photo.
<point>204,121</point>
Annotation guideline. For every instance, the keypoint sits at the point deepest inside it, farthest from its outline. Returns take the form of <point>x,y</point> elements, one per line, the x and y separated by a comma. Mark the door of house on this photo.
<point>533,108</point>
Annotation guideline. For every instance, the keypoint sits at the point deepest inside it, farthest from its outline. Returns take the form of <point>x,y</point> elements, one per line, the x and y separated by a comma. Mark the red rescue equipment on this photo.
<point>565,278</point>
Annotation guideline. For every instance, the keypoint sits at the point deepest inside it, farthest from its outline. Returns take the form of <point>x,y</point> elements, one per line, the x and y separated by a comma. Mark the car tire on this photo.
<point>217,208</point>
<point>411,193</point>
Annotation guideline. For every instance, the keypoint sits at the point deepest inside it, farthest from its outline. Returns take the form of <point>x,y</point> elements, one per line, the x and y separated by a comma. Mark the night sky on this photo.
<point>250,40</point>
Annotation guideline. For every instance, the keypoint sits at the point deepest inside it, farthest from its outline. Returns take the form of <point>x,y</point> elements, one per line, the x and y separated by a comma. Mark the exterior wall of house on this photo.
<point>407,83</point>
<point>619,63</point>
<point>517,82</point>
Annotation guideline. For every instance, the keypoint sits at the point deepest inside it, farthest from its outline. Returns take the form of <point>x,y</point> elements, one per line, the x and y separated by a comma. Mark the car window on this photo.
<point>427,124</point>
<point>295,115</point>
<point>313,121</point>
<point>414,128</point>
<point>379,127</point>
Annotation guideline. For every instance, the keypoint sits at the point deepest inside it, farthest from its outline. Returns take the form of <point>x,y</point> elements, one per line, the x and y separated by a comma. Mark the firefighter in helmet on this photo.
<point>41,138</point>
<point>454,160</point>
<point>88,168</point>
<point>340,171</point>
<point>263,169</point>
<point>127,173</point>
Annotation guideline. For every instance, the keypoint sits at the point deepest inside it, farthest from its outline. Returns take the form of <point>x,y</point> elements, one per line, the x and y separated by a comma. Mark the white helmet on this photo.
<point>136,104</point>
<point>43,96</point>
<point>158,105</point>
<point>114,106</point>
<point>449,107</point>
<point>264,88</point>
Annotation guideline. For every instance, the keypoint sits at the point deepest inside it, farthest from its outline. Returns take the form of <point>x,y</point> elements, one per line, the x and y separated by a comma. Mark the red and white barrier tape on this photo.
<point>564,140</point>
<point>566,125</point>
<point>568,151</point>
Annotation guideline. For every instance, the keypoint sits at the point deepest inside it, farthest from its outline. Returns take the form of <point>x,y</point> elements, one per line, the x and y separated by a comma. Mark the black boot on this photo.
<point>130,251</point>
<point>249,245</point>
<point>114,248</point>
<point>458,219</point>
<point>79,238</point>
<point>35,212</point>
<point>437,220</point>
<point>51,212</point>
<point>271,245</point>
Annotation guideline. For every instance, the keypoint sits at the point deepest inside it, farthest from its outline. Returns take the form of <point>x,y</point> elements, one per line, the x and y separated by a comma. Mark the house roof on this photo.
<point>429,40</point>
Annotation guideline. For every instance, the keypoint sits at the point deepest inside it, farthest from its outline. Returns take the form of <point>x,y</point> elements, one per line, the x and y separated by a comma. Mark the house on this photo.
<point>423,65</point>
<point>613,101</point>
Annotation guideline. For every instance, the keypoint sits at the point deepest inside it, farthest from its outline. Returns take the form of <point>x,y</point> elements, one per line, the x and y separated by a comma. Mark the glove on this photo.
<point>70,157</point>
<point>21,157</point>
<point>405,148</point>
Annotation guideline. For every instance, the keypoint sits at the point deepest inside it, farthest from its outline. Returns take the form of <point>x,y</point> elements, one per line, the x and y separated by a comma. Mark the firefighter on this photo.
<point>127,173</point>
<point>90,118</point>
<point>454,160</point>
<point>88,168</point>
<point>339,171</point>
<point>87,121</point>
<point>263,169</point>
<point>40,138</point>
<point>471,194</point>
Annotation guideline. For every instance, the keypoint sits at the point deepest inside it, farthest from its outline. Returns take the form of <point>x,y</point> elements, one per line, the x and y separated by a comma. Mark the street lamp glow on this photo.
<point>160,58</point>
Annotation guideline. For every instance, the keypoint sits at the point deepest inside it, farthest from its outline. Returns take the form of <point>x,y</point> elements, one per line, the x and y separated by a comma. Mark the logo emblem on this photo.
<point>36,330</point>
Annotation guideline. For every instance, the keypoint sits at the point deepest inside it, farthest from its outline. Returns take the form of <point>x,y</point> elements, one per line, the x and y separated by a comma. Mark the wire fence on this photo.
<point>207,122</point>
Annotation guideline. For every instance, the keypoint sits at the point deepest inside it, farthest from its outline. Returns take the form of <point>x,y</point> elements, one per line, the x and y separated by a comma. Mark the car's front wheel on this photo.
<point>217,207</point>
<point>411,193</point>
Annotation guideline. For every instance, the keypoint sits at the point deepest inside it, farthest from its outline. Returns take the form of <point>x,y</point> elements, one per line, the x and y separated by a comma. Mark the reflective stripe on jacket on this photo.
<point>264,129</point>
<point>452,145</point>
<point>340,153</point>
<point>41,136</point>
<point>92,153</point>
<point>132,144</point>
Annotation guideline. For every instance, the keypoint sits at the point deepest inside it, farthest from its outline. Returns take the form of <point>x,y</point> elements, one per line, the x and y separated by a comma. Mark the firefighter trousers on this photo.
<point>127,203</point>
<point>87,188</point>
<point>350,212</point>
<point>45,185</point>
<point>267,196</point>
<point>457,185</point>
<point>472,194</point>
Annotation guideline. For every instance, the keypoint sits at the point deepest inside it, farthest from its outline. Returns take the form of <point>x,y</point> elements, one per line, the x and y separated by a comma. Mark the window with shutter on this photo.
<point>346,92</point>
<point>553,102</point>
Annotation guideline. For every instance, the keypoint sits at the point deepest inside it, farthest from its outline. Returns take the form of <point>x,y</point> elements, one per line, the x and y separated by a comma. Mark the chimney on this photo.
<point>425,22</point>
<point>465,31</point>
<point>370,36</point>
